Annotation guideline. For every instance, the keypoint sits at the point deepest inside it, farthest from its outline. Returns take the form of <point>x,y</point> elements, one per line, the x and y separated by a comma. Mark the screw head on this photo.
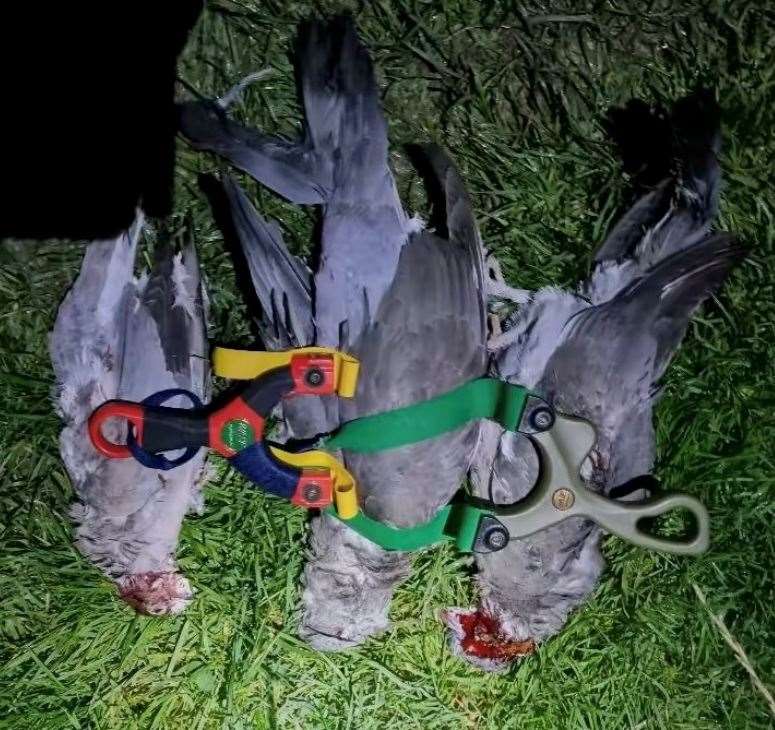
<point>542,418</point>
<point>314,377</point>
<point>496,538</point>
<point>563,499</point>
<point>312,492</point>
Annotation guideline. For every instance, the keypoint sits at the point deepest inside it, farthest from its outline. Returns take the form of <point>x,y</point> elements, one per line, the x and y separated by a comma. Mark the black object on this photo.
<point>89,123</point>
<point>159,461</point>
<point>650,138</point>
<point>491,536</point>
<point>542,419</point>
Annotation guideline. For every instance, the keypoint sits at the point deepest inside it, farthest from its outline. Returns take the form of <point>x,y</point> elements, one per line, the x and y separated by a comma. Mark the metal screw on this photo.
<point>563,499</point>
<point>496,538</point>
<point>314,377</point>
<point>312,492</point>
<point>542,418</point>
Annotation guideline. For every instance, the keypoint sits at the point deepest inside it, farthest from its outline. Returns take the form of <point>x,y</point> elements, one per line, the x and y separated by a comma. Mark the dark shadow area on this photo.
<point>434,193</point>
<point>657,143</point>
<point>650,138</point>
<point>642,136</point>
<point>89,120</point>
<point>638,488</point>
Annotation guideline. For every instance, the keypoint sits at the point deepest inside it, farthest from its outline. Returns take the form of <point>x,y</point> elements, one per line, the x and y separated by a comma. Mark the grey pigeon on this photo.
<point>599,353</point>
<point>116,336</point>
<point>409,303</point>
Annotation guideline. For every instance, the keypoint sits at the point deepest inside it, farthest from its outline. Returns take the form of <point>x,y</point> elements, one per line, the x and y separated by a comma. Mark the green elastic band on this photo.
<point>482,398</point>
<point>457,522</point>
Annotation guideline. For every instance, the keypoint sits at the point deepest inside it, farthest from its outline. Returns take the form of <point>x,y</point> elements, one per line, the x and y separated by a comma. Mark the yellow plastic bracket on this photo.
<point>249,364</point>
<point>345,493</point>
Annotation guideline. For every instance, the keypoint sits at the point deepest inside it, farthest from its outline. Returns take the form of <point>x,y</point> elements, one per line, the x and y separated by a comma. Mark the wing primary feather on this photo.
<point>281,280</point>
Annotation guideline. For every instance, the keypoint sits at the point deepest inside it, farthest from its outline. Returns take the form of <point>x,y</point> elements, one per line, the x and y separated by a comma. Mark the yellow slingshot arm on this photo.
<point>345,494</point>
<point>249,364</point>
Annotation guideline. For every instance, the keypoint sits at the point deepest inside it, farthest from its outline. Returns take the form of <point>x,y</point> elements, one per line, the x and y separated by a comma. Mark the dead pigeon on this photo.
<point>409,303</point>
<point>598,353</point>
<point>116,336</point>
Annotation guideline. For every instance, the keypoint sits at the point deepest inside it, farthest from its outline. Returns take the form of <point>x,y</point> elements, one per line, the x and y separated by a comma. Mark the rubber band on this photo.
<point>157,461</point>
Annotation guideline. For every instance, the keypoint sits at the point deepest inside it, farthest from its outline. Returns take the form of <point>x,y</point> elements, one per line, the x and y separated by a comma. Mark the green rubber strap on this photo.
<point>482,398</point>
<point>457,522</point>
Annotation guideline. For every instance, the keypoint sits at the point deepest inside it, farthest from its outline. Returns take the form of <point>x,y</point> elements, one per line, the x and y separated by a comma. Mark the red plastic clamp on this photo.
<point>312,375</point>
<point>236,411</point>
<point>315,489</point>
<point>132,412</point>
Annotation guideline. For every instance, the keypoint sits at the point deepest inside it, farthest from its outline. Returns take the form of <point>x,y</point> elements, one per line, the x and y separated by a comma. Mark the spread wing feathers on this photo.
<point>684,281</point>
<point>344,125</point>
<point>636,222</point>
<point>428,339</point>
<point>678,212</point>
<point>461,225</point>
<point>344,122</point>
<point>429,335</point>
<point>364,226</point>
<point>641,327</point>
<point>282,281</point>
<point>430,327</point>
<point>166,338</point>
<point>289,168</point>
<point>340,161</point>
<point>87,341</point>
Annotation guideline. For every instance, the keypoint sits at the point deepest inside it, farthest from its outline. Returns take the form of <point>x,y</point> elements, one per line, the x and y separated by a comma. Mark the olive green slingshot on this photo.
<point>562,444</point>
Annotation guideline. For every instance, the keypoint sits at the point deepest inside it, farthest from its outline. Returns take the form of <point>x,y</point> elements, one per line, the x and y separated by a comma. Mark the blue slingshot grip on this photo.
<point>257,464</point>
<point>157,461</point>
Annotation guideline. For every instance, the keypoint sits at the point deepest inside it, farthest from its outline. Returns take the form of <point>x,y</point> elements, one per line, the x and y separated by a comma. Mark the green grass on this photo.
<point>518,96</point>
